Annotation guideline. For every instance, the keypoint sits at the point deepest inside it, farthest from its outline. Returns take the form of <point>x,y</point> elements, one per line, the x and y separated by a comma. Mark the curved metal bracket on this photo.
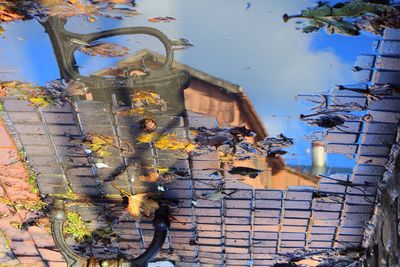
<point>161,225</point>
<point>64,49</point>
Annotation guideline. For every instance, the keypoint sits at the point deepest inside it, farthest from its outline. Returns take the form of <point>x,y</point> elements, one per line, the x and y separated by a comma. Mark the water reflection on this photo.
<point>134,127</point>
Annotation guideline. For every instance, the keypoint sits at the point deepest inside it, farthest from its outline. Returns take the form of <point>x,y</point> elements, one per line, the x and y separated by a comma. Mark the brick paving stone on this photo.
<point>388,63</point>
<point>57,264</point>
<point>377,139</point>
<point>30,129</point>
<point>362,76</point>
<point>5,140</point>
<point>24,248</point>
<point>349,127</point>
<point>12,104</point>
<point>389,47</point>
<point>237,220</point>
<point>41,237</point>
<point>34,139</point>
<point>391,34</point>
<point>59,118</point>
<point>341,148</point>
<point>341,138</point>
<point>380,161</point>
<point>238,213</point>
<point>33,261</point>
<point>8,156</point>
<point>365,61</point>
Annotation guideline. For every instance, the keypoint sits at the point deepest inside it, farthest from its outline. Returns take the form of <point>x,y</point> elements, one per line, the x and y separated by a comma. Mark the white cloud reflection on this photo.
<point>252,48</point>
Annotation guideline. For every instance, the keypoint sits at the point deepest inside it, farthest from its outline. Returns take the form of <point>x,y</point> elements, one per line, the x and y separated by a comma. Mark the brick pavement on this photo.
<point>33,246</point>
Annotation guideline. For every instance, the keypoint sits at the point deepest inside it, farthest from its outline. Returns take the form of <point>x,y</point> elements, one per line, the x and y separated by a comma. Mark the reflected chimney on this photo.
<point>318,158</point>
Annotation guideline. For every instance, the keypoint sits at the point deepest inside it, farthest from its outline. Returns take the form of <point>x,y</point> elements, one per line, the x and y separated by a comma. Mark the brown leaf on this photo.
<point>105,50</point>
<point>76,88</point>
<point>38,96</point>
<point>161,19</point>
<point>73,8</point>
<point>8,14</point>
<point>151,178</point>
<point>141,205</point>
<point>47,3</point>
<point>148,124</point>
<point>99,144</point>
<point>114,1</point>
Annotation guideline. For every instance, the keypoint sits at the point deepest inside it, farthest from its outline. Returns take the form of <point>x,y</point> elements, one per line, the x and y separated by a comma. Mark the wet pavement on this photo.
<point>216,217</point>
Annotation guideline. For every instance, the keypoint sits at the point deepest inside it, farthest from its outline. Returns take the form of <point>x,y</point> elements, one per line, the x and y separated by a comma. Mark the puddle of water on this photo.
<point>128,111</point>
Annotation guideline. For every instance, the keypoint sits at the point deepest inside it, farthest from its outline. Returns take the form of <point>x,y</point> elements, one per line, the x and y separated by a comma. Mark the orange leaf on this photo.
<point>8,14</point>
<point>131,111</point>
<point>151,178</point>
<point>141,205</point>
<point>105,50</point>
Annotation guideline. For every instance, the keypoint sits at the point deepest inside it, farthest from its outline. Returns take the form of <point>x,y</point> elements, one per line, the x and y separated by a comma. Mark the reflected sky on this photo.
<point>251,47</point>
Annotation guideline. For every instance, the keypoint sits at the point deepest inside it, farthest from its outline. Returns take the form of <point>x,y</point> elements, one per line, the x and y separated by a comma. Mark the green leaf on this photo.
<point>319,11</point>
<point>309,29</point>
<point>342,27</point>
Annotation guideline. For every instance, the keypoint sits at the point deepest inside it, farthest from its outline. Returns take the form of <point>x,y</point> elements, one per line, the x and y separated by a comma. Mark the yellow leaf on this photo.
<point>226,157</point>
<point>99,144</point>
<point>194,132</point>
<point>141,205</point>
<point>39,101</point>
<point>131,111</point>
<point>146,138</point>
<point>170,142</point>
<point>143,97</point>
<point>162,170</point>
<point>16,225</point>
<point>189,147</point>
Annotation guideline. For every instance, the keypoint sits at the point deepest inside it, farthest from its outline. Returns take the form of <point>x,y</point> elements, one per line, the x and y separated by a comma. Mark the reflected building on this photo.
<point>230,106</point>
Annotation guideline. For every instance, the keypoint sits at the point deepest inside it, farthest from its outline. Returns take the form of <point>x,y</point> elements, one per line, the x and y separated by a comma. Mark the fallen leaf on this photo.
<point>9,13</point>
<point>38,96</point>
<point>189,147</point>
<point>73,8</point>
<point>114,1</point>
<point>219,194</point>
<point>47,3</point>
<point>162,170</point>
<point>245,171</point>
<point>141,205</point>
<point>98,144</point>
<point>181,43</point>
<point>131,111</point>
<point>170,142</point>
<point>16,225</point>
<point>226,157</point>
<point>161,19</point>
<point>150,178</point>
<point>105,50</point>
<point>147,137</point>
<point>148,124</point>
<point>141,98</point>
<point>75,88</point>
<point>39,101</point>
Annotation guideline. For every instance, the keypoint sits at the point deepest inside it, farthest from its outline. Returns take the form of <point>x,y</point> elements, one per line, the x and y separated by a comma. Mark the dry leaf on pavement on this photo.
<point>151,178</point>
<point>141,205</point>
<point>104,50</point>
